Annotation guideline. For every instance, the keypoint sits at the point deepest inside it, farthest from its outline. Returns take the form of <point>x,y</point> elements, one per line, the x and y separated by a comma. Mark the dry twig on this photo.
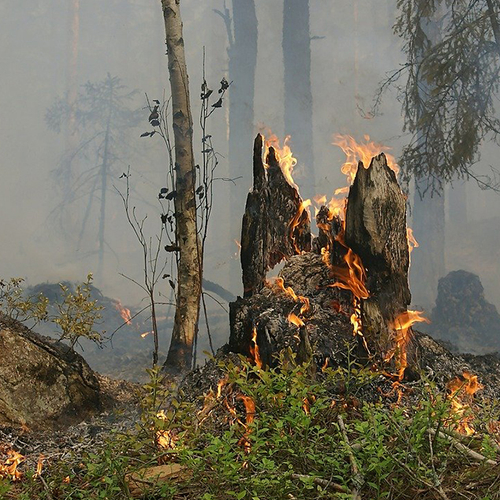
<point>459,446</point>
<point>358,478</point>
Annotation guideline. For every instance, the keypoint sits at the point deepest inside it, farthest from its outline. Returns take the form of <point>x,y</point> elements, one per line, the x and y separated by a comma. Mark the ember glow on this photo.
<point>9,469</point>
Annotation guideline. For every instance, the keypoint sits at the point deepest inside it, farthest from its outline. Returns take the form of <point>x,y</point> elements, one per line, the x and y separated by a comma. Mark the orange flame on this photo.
<point>363,152</point>
<point>249,418</point>
<point>164,438</point>
<point>352,277</point>
<point>295,222</point>
<point>254,350</point>
<point>238,245</point>
<point>458,401</point>
<point>412,242</point>
<point>39,466</point>
<point>9,468</point>
<point>401,325</point>
<point>284,156</point>
<point>295,320</point>
<point>356,318</point>
<point>124,312</point>
<point>306,305</point>
<point>220,385</point>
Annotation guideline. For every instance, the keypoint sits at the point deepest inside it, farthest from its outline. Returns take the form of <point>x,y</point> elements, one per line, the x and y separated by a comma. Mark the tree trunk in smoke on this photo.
<point>242,53</point>
<point>495,25</point>
<point>71,140</point>
<point>180,354</point>
<point>298,94</point>
<point>457,202</point>
<point>355,60</point>
<point>104,187</point>
<point>428,261</point>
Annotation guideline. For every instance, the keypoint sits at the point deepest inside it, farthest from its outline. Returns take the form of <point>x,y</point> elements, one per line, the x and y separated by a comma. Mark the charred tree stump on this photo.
<point>275,224</point>
<point>376,231</point>
<point>358,284</point>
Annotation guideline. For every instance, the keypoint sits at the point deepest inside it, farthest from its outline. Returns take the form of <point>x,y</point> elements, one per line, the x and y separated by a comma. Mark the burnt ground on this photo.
<point>122,401</point>
<point>121,410</point>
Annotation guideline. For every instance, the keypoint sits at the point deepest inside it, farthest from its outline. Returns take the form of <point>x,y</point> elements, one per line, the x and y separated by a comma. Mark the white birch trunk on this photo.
<point>180,354</point>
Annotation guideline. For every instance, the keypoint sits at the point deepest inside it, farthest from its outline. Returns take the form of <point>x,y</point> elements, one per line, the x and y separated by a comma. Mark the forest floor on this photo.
<point>234,431</point>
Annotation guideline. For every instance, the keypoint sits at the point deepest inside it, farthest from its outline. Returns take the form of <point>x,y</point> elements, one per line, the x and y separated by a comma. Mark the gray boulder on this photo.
<point>463,316</point>
<point>43,382</point>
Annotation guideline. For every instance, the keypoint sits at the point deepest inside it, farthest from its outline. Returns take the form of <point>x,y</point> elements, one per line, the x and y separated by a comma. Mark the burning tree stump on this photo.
<point>358,282</point>
<point>376,231</point>
<point>275,224</point>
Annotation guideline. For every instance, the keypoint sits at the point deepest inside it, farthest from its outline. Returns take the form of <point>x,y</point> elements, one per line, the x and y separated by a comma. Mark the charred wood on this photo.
<point>275,224</point>
<point>376,231</point>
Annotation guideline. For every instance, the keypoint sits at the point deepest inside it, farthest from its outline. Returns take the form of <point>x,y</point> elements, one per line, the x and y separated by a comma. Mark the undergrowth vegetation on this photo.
<point>284,434</point>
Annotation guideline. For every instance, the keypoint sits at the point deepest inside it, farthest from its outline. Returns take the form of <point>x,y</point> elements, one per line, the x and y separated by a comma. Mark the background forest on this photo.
<point>59,225</point>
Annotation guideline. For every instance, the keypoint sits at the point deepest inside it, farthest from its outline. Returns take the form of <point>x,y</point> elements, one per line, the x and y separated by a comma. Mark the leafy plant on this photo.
<point>15,304</point>
<point>77,314</point>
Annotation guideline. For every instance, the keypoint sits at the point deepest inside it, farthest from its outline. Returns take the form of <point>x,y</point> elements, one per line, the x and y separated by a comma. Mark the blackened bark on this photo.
<point>376,231</point>
<point>275,225</point>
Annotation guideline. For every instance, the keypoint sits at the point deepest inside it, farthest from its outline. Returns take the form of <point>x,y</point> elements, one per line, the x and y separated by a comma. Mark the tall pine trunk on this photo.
<point>242,54</point>
<point>71,139</point>
<point>428,261</point>
<point>298,94</point>
<point>104,188</point>
<point>180,354</point>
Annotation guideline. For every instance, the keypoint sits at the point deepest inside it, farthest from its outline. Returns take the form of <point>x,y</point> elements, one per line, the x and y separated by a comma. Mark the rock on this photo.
<point>145,480</point>
<point>463,316</point>
<point>43,382</point>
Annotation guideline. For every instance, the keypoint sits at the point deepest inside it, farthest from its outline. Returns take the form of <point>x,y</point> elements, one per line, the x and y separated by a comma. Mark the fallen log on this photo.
<point>145,480</point>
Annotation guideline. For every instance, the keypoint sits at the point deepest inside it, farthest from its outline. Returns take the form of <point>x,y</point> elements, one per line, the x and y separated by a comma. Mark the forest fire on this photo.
<point>124,312</point>
<point>296,221</point>
<point>461,393</point>
<point>254,350</point>
<point>360,152</point>
<point>401,325</point>
<point>412,242</point>
<point>284,155</point>
<point>164,438</point>
<point>295,320</point>
<point>9,469</point>
<point>298,298</point>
